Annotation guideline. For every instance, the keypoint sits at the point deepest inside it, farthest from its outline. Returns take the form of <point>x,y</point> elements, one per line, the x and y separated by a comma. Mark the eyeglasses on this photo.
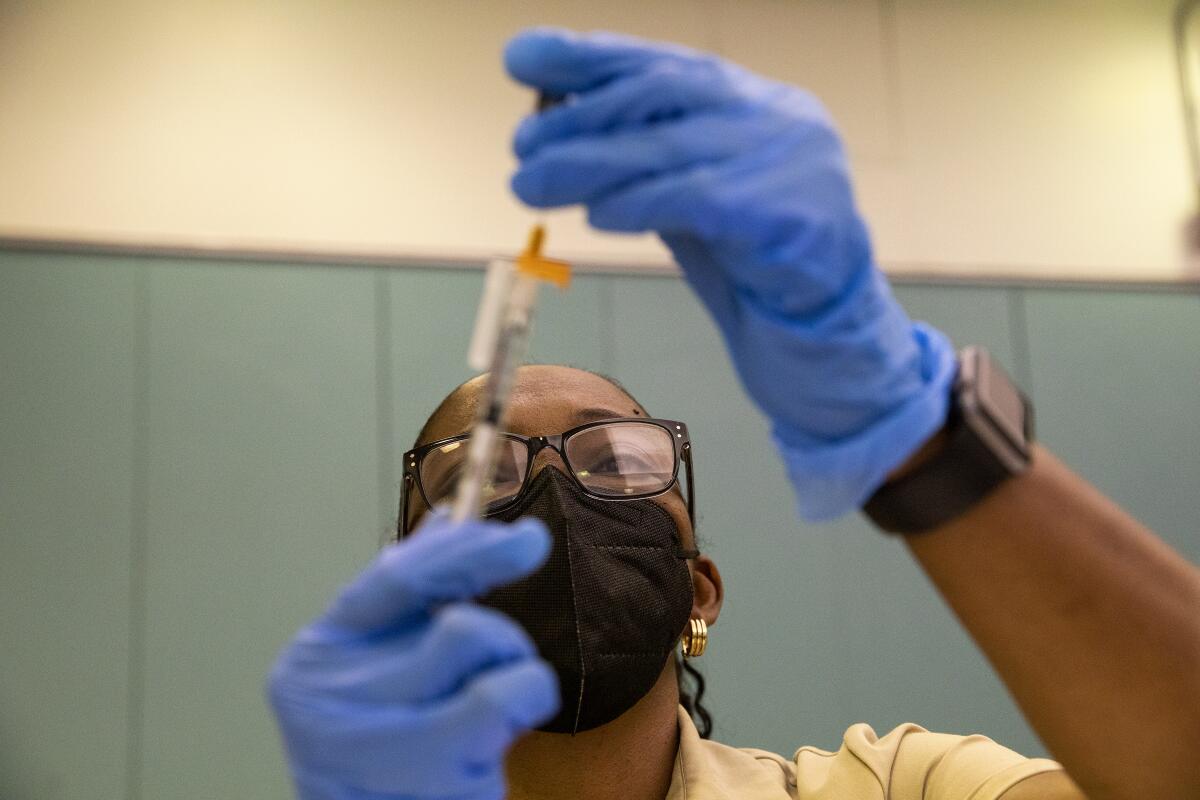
<point>628,458</point>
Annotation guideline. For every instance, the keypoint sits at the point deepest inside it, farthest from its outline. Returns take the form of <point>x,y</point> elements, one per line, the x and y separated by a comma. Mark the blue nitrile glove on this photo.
<point>746,181</point>
<point>403,688</point>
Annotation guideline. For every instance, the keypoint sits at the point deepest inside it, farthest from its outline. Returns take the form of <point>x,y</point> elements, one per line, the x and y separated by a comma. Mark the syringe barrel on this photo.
<point>509,346</point>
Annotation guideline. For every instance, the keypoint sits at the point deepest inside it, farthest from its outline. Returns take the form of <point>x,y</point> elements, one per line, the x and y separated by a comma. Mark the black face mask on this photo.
<point>608,606</point>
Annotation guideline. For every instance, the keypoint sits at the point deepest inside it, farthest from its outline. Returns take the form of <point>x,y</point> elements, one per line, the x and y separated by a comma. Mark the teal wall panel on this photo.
<point>67,367</point>
<point>575,326</point>
<point>194,455</point>
<point>262,500</point>
<point>1117,385</point>
<point>432,312</point>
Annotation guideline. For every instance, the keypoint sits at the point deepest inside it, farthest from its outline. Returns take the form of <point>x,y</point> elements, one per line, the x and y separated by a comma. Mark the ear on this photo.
<point>708,590</point>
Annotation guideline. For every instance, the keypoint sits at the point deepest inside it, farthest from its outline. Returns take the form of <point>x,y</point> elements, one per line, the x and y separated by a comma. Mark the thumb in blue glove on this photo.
<point>746,181</point>
<point>404,688</point>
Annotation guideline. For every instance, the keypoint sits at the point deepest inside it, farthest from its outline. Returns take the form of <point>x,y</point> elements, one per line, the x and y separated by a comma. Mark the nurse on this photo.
<point>529,655</point>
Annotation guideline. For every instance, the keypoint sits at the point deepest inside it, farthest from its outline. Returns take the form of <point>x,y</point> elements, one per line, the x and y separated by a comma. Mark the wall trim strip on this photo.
<point>902,274</point>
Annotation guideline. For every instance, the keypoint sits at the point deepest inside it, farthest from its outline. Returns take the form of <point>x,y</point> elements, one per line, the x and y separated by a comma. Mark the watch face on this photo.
<point>1000,400</point>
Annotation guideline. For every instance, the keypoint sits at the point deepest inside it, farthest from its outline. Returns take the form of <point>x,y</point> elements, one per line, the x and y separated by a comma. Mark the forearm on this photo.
<point>1091,621</point>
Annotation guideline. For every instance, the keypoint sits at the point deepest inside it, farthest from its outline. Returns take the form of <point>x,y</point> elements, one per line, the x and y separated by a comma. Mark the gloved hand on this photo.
<point>746,181</point>
<point>403,689</point>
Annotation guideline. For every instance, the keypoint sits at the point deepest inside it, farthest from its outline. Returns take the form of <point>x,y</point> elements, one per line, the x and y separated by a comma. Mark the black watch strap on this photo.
<point>945,486</point>
<point>986,439</point>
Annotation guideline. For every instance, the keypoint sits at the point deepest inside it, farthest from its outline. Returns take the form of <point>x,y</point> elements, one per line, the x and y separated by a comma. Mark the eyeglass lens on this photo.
<point>441,467</point>
<point>623,458</point>
<point>617,459</point>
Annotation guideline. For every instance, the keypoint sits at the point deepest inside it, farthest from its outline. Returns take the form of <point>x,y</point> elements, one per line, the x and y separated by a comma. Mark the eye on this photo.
<point>443,484</point>
<point>620,460</point>
<point>622,457</point>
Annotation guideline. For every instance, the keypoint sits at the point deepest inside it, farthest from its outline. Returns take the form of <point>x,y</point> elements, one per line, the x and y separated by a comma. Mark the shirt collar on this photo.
<point>706,770</point>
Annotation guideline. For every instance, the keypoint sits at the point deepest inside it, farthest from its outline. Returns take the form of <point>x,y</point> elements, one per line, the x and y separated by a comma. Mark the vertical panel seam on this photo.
<point>1018,333</point>
<point>139,531</point>
<point>385,435</point>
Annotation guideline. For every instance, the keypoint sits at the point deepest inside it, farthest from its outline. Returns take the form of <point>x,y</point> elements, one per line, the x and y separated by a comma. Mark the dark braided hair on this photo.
<point>686,675</point>
<point>692,704</point>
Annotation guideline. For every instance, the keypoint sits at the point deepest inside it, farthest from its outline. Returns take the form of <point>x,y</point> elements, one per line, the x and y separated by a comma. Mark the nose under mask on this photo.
<point>609,604</point>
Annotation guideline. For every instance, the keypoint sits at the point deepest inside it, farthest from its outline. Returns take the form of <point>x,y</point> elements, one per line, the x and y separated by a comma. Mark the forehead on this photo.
<point>545,400</point>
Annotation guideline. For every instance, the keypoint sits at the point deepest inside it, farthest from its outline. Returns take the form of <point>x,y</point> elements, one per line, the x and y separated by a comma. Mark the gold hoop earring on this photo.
<point>695,640</point>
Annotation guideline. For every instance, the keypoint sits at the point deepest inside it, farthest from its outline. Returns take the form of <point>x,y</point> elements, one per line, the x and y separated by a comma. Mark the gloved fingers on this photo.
<point>707,278</point>
<point>489,784</point>
<point>664,90</point>
<point>737,205</point>
<point>499,705</point>
<point>320,785</point>
<point>405,750</point>
<point>466,640</point>
<point>449,748</point>
<point>442,562</point>
<point>678,206</point>
<point>562,61</point>
<point>414,666</point>
<point>582,169</point>
<point>524,694</point>
<point>793,254</point>
<point>804,246</point>
<point>679,201</point>
<point>496,708</point>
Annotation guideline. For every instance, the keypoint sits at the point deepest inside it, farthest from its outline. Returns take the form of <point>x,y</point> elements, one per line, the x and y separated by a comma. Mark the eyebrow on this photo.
<point>597,413</point>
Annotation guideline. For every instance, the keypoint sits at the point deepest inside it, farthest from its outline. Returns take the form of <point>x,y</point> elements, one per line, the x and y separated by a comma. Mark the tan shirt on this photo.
<point>909,763</point>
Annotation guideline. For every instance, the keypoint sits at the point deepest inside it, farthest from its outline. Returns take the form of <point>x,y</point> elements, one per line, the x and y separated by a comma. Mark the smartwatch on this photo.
<point>987,439</point>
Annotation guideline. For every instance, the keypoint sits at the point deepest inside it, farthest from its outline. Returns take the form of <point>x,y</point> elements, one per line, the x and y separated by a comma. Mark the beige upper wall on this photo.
<point>1035,138</point>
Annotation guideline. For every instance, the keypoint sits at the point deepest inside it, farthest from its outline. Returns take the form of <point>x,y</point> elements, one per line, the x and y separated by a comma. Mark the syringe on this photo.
<point>499,345</point>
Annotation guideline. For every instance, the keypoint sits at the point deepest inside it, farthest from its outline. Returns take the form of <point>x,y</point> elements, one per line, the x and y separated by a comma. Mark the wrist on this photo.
<point>985,441</point>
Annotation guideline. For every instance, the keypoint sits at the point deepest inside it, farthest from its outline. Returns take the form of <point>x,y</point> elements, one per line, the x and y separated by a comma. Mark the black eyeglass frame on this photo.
<point>534,445</point>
